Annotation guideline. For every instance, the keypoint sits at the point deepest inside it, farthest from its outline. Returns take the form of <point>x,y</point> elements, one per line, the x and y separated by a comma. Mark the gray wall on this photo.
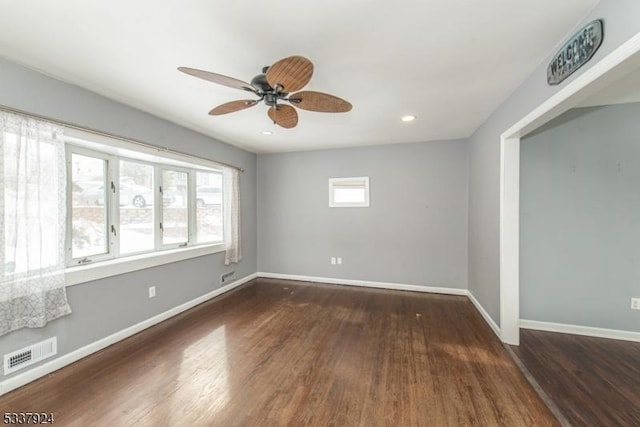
<point>579,219</point>
<point>621,23</point>
<point>414,232</point>
<point>103,307</point>
<point>106,306</point>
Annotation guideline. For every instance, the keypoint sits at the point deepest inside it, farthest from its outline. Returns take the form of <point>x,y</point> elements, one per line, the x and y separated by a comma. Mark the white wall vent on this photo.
<point>29,355</point>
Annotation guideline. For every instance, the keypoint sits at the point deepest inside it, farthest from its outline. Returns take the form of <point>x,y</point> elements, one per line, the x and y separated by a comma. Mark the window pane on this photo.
<point>208,207</point>
<point>88,207</point>
<point>349,192</point>
<point>348,195</point>
<point>175,202</point>
<point>136,207</point>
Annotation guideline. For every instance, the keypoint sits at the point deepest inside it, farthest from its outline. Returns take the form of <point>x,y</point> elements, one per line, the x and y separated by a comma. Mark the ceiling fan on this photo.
<point>274,85</point>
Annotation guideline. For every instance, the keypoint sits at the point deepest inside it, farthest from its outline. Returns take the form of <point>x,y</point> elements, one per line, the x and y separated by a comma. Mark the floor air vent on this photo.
<point>29,355</point>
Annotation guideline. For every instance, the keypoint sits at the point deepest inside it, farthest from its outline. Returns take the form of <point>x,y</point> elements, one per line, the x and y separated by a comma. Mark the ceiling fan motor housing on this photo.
<point>271,99</point>
<point>260,83</point>
<point>270,95</point>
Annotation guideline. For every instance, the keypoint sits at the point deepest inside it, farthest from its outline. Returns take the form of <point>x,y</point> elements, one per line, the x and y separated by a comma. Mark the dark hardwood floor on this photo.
<point>278,352</point>
<point>592,381</point>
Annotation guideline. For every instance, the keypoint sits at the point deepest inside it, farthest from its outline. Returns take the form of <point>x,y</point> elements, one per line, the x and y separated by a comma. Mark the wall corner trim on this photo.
<point>588,331</point>
<point>487,318</point>
<point>562,100</point>
<point>19,380</point>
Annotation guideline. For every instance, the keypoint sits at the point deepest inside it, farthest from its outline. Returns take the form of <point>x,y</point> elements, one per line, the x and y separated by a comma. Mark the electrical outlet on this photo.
<point>333,260</point>
<point>339,260</point>
<point>152,291</point>
<point>635,303</point>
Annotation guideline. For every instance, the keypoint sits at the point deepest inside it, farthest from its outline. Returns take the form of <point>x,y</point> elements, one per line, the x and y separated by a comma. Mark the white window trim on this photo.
<point>100,270</point>
<point>114,150</point>
<point>334,181</point>
<point>133,151</point>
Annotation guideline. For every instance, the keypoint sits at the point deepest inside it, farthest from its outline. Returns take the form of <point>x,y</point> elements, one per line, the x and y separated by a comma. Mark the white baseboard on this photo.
<point>580,330</point>
<point>492,324</point>
<point>21,379</point>
<point>367,284</point>
<point>392,286</point>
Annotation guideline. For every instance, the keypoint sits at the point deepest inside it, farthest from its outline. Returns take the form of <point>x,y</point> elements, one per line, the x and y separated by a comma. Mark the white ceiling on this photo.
<point>450,62</point>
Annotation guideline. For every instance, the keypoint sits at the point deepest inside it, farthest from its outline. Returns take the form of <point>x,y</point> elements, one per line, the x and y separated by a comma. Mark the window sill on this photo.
<point>102,269</point>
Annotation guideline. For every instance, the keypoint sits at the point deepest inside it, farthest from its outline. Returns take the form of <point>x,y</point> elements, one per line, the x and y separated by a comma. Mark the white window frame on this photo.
<point>113,150</point>
<point>111,216</point>
<point>336,182</point>
<point>190,209</point>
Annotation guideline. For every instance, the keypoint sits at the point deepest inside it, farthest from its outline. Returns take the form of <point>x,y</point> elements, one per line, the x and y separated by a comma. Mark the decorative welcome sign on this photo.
<point>576,52</point>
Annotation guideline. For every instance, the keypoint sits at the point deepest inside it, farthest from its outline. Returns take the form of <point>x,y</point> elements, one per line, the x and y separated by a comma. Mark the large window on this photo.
<point>127,205</point>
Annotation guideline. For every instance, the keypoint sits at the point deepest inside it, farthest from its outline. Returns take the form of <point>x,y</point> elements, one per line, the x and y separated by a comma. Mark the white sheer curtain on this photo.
<point>32,226</point>
<point>231,207</point>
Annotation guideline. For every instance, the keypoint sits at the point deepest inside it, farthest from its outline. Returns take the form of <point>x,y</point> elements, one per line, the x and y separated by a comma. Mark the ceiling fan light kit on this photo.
<point>274,86</point>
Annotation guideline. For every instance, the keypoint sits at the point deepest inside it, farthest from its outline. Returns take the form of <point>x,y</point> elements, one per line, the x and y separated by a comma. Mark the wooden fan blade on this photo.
<point>285,116</point>
<point>291,74</point>
<point>218,78</point>
<point>318,101</point>
<point>233,106</point>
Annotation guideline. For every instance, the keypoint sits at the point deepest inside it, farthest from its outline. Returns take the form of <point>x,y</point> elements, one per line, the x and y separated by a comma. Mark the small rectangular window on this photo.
<point>349,192</point>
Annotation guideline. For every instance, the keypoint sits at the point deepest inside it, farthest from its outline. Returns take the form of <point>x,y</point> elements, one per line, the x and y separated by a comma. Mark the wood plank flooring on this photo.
<point>283,353</point>
<point>592,381</point>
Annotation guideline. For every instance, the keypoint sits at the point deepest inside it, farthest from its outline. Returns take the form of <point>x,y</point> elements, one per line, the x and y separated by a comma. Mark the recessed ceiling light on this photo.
<point>408,118</point>
<point>266,132</point>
